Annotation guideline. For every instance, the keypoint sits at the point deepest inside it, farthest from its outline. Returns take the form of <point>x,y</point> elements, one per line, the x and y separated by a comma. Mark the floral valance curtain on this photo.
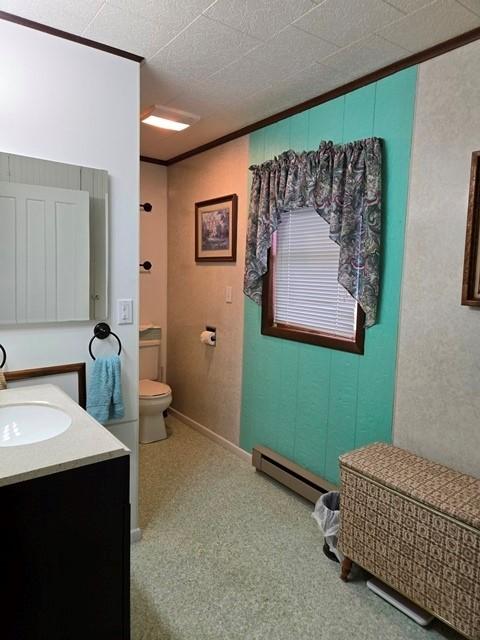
<point>344,184</point>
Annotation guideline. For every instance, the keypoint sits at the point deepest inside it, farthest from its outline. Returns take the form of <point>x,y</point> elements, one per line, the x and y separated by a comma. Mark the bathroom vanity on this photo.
<point>65,521</point>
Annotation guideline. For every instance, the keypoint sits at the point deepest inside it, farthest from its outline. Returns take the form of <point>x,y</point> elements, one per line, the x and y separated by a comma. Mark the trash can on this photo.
<point>327,515</point>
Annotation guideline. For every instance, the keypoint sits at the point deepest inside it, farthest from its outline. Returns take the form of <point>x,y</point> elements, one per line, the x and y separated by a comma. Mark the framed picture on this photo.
<point>471,265</point>
<point>216,229</point>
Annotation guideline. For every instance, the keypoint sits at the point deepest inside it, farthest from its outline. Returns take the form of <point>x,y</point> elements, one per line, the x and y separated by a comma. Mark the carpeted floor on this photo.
<point>227,554</point>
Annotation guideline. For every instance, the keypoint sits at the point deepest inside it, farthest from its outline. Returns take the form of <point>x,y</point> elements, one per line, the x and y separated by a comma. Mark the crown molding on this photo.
<point>164,163</point>
<point>374,76</point>
<point>38,26</point>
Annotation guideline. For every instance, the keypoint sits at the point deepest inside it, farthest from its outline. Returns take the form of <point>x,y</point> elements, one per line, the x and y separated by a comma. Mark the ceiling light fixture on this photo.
<point>166,118</point>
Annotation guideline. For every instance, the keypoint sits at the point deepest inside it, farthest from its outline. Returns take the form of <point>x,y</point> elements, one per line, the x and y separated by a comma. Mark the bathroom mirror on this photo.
<point>53,241</point>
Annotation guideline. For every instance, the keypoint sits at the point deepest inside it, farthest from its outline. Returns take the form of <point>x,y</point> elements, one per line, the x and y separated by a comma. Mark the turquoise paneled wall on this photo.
<point>311,403</point>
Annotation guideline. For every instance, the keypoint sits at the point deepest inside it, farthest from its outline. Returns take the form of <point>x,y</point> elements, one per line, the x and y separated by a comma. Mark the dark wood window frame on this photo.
<point>298,334</point>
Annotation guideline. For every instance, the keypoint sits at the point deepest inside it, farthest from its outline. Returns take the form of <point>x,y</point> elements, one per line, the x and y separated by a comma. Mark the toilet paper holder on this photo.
<point>213,330</point>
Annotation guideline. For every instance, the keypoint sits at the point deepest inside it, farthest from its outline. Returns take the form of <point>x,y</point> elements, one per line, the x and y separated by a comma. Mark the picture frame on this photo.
<point>216,229</point>
<point>471,266</point>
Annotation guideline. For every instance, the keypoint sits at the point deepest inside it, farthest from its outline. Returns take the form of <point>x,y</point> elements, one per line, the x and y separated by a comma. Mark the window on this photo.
<point>302,299</point>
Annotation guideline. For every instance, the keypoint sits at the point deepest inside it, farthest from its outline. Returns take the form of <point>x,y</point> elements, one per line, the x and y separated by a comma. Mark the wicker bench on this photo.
<point>415,525</point>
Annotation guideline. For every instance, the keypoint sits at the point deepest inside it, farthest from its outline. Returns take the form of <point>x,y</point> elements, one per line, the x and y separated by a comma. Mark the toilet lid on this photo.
<point>153,388</point>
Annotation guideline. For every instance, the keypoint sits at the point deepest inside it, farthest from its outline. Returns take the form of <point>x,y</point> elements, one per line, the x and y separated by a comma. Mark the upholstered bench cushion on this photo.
<point>447,491</point>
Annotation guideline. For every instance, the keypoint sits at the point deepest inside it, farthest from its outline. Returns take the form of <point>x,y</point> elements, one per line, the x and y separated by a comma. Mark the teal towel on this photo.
<point>104,399</point>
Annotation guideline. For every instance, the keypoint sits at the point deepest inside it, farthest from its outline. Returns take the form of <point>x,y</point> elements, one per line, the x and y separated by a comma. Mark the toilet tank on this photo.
<point>150,359</point>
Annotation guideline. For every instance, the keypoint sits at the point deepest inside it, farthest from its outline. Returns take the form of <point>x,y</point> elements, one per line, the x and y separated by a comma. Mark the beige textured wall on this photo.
<point>206,381</point>
<point>438,385</point>
<point>153,247</point>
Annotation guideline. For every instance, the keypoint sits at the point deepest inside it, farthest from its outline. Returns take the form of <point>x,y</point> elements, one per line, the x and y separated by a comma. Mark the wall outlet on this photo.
<point>125,311</point>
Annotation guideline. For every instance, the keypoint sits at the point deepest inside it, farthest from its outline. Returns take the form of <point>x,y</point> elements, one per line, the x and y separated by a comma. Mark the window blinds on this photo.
<point>307,293</point>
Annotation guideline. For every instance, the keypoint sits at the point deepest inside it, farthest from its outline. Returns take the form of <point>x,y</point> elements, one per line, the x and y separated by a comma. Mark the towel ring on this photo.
<point>102,331</point>
<point>4,356</point>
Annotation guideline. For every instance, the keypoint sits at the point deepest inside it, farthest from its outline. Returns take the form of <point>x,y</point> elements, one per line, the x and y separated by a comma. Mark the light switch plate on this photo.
<point>125,311</point>
<point>228,295</point>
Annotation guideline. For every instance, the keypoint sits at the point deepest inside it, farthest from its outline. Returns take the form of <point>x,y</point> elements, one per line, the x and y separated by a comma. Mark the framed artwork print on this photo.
<point>471,266</point>
<point>216,229</point>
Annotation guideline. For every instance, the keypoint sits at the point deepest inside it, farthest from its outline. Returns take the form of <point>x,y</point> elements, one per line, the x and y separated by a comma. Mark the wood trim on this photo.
<point>223,442</point>
<point>164,163</point>
<point>233,198</point>
<point>309,336</point>
<point>40,372</point>
<point>470,280</point>
<point>38,26</point>
<point>374,76</point>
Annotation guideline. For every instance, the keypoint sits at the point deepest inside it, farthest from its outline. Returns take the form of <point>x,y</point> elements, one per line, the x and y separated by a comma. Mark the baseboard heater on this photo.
<point>305,483</point>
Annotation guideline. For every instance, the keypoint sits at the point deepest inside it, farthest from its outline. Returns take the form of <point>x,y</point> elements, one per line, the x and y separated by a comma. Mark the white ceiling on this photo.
<point>234,62</point>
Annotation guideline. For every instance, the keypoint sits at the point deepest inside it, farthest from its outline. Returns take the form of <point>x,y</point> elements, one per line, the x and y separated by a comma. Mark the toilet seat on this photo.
<point>152,389</point>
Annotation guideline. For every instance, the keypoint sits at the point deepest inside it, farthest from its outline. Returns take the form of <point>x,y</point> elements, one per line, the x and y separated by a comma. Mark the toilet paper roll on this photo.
<point>208,337</point>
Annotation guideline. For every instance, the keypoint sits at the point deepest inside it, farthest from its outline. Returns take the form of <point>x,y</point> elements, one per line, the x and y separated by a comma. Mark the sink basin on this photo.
<point>30,422</point>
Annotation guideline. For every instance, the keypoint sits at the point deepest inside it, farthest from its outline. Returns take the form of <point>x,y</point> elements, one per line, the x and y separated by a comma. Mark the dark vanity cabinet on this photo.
<point>65,555</point>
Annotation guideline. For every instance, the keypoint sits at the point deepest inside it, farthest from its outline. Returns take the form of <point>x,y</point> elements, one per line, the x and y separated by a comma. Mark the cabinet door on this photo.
<point>44,254</point>
<point>66,573</point>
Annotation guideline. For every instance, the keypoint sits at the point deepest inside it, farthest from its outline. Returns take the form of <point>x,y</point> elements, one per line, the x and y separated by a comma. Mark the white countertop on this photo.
<point>84,442</point>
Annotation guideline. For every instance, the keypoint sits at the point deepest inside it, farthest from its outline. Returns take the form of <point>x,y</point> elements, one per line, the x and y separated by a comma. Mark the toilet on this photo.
<point>154,397</point>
